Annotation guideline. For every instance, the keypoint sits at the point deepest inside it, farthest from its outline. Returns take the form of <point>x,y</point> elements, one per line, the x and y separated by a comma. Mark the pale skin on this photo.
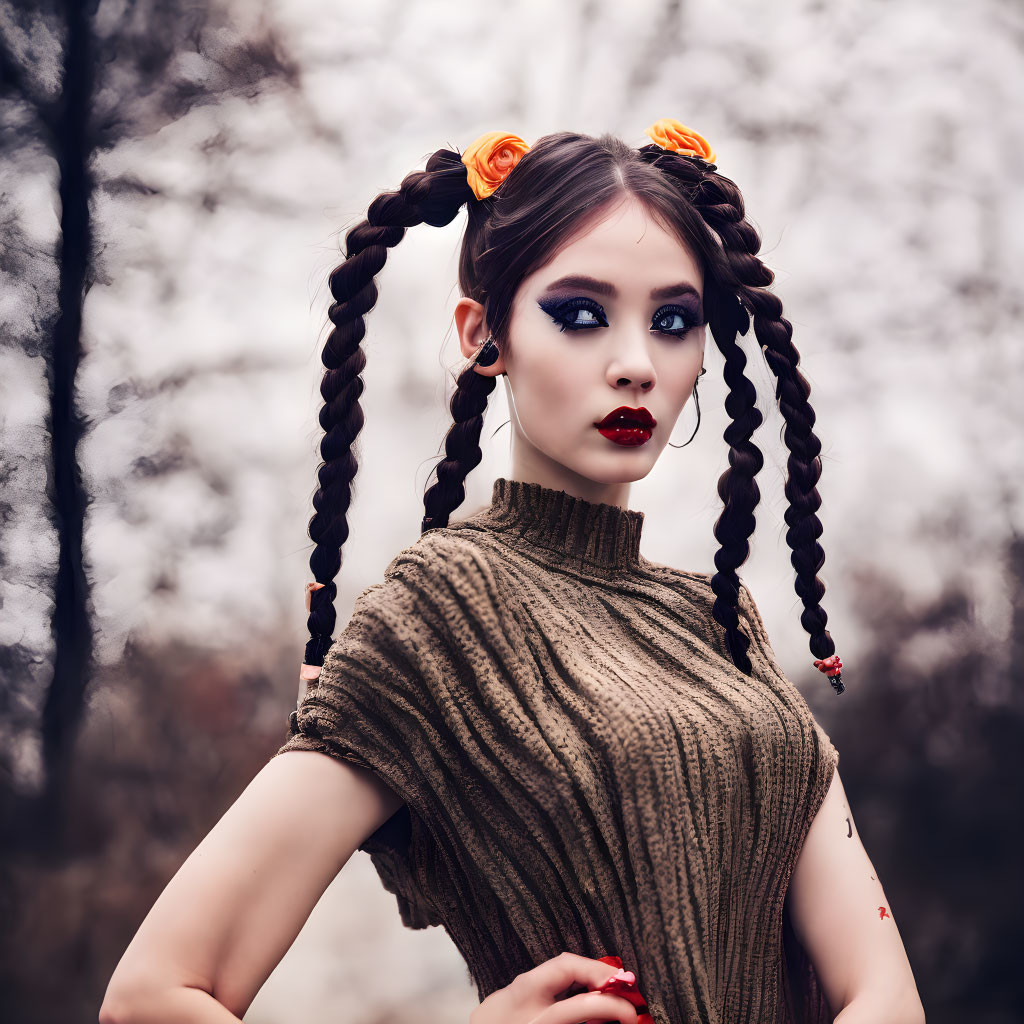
<point>560,383</point>
<point>229,914</point>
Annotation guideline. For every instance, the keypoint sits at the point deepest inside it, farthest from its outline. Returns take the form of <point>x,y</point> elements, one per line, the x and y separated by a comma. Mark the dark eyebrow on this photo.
<point>592,284</point>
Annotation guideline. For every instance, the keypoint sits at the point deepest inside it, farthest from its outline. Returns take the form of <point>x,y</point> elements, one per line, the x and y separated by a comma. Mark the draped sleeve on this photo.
<point>801,996</point>
<point>379,703</point>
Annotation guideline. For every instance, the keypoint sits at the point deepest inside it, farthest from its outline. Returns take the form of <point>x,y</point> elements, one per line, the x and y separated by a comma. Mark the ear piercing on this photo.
<point>488,352</point>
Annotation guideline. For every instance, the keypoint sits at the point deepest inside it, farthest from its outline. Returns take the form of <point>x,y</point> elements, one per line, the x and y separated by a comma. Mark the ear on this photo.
<point>469,322</point>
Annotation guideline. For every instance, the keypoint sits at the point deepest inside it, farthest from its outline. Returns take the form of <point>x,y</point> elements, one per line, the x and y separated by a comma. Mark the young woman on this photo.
<point>571,758</point>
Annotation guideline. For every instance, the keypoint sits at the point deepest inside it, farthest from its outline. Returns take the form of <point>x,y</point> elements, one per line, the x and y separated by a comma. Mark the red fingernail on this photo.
<point>620,977</point>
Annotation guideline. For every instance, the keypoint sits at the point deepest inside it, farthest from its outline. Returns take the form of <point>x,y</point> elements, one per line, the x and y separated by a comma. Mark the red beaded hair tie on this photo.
<point>832,667</point>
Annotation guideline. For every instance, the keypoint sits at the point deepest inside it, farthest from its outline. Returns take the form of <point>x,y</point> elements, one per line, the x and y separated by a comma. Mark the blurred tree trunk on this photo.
<point>77,77</point>
<point>70,624</point>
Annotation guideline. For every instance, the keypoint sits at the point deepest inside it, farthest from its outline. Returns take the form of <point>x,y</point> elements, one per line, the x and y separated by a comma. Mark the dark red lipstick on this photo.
<point>628,427</point>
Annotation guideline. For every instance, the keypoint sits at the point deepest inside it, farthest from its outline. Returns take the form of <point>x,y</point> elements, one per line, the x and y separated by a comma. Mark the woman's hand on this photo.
<point>544,995</point>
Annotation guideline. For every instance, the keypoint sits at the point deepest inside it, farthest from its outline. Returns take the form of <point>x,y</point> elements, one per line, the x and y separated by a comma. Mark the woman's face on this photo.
<point>580,349</point>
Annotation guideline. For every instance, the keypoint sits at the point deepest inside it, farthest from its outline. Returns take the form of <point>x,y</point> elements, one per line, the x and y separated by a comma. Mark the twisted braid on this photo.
<point>433,196</point>
<point>721,205</point>
<point>737,487</point>
<point>462,448</point>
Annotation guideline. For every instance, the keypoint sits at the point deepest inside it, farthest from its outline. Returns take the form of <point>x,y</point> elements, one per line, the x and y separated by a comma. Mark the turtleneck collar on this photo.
<point>582,531</point>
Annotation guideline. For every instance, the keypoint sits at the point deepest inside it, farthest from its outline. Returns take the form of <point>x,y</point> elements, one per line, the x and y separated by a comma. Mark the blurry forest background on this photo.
<point>176,181</point>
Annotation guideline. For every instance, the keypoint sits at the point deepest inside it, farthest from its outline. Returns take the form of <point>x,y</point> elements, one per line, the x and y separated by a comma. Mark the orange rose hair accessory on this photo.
<point>490,159</point>
<point>675,136</point>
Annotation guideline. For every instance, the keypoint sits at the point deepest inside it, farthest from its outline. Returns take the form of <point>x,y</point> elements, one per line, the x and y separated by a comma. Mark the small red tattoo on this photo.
<point>883,913</point>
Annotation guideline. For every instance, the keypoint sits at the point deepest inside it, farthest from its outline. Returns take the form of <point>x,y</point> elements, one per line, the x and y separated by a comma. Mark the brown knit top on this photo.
<point>582,765</point>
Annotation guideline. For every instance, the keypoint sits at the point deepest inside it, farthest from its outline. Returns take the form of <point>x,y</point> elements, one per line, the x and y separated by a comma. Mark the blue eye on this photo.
<point>593,315</point>
<point>665,319</point>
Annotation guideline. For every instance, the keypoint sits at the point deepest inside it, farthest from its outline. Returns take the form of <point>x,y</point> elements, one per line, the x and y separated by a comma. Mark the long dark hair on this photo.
<point>558,188</point>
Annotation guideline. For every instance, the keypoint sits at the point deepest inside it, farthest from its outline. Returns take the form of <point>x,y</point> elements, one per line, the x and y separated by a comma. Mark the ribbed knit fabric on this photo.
<point>582,765</point>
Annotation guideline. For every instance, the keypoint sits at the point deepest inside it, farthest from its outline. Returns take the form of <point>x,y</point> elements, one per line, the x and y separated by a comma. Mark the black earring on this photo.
<point>696,401</point>
<point>488,352</point>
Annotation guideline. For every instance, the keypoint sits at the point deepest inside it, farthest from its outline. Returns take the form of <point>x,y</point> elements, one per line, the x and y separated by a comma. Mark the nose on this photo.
<point>631,364</point>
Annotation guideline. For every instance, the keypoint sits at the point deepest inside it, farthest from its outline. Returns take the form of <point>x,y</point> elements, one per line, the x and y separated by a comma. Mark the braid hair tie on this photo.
<point>832,667</point>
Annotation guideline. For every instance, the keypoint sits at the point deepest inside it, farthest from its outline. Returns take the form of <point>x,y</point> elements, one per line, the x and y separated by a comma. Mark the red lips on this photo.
<point>624,416</point>
<point>627,427</point>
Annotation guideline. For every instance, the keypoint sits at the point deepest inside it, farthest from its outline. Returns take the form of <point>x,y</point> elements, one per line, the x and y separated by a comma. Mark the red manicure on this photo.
<point>623,983</point>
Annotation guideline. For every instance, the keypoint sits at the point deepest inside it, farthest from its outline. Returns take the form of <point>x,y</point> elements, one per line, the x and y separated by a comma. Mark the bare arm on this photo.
<point>843,920</point>
<point>229,915</point>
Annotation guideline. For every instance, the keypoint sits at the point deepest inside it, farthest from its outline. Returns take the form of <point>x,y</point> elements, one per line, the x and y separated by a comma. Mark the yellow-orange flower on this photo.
<point>490,159</point>
<point>674,135</point>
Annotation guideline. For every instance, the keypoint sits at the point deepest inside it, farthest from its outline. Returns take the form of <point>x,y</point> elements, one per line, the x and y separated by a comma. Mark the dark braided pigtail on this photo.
<point>737,486</point>
<point>472,390</point>
<point>433,196</point>
<point>461,445</point>
<point>720,203</point>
